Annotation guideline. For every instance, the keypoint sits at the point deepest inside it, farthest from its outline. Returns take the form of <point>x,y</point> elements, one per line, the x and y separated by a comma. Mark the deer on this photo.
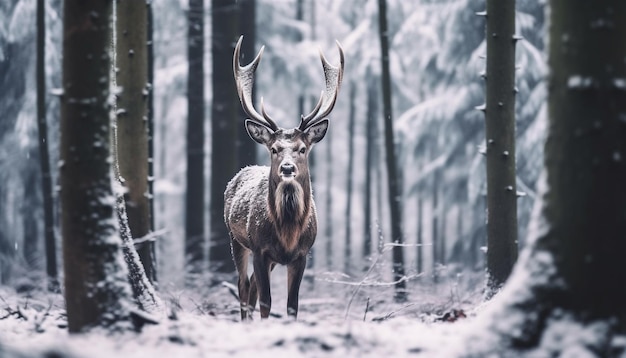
<point>269,210</point>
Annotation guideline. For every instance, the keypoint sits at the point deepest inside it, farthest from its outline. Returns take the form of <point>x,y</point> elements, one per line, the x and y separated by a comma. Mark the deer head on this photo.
<point>263,129</point>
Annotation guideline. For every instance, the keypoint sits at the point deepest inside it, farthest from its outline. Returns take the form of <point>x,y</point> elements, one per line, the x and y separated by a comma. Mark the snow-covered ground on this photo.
<point>205,323</point>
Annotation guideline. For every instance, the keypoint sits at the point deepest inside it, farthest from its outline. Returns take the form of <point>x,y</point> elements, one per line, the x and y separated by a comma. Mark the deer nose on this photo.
<point>287,169</point>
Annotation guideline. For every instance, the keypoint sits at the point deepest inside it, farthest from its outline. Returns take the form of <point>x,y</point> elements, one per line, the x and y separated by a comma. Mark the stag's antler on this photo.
<point>333,76</point>
<point>244,77</point>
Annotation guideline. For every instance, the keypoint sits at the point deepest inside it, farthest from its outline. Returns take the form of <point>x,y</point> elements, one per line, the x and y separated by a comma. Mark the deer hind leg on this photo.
<point>295,271</point>
<point>240,256</point>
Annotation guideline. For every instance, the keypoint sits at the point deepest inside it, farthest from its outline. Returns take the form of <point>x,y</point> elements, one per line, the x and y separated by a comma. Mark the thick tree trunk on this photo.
<point>96,287</point>
<point>194,204</point>
<point>132,124</point>
<point>572,274</point>
<point>392,172</point>
<point>500,136</point>
<point>226,122</point>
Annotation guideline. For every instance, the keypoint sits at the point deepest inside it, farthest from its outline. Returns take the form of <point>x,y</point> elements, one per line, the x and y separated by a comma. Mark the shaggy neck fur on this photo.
<point>289,208</point>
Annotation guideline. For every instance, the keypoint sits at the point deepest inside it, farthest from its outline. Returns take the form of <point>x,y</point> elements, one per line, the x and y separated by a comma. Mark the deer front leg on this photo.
<point>295,271</point>
<point>262,278</point>
<point>254,295</point>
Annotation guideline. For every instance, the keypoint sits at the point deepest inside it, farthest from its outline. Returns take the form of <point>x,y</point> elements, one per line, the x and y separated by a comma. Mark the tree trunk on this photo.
<point>349,185</point>
<point>194,203</point>
<point>150,88</point>
<point>132,124</point>
<point>246,148</point>
<point>572,270</point>
<point>30,204</point>
<point>226,122</point>
<point>435,227</point>
<point>500,136</point>
<point>328,230</point>
<point>392,173</point>
<point>420,239</point>
<point>44,154</point>
<point>96,287</point>
<point>372,116</point>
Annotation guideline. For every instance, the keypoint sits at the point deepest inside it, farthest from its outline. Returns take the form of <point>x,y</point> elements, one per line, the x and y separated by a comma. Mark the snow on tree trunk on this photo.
<point>142,288</point>
<point>566,296</point>
<point>96,287</point>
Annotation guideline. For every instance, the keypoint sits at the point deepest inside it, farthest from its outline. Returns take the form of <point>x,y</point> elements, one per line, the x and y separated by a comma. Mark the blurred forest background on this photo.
<point>437,51</point>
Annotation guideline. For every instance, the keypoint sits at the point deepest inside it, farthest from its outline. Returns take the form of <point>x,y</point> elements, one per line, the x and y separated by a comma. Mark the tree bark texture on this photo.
<point>500,137</point>
<point>132,122</point>
<point>194,203</point>
<point>96,287</point>
<point>226,122</point>
<point>585,155</point>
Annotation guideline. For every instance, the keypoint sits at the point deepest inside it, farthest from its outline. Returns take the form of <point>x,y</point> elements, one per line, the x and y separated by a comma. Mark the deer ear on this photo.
<point>316,132</point>
<point>258,132</point>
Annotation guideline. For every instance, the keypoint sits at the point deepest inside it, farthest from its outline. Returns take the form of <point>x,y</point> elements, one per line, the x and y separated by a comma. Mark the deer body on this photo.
<point>269,211</point>
<point>255,226</point>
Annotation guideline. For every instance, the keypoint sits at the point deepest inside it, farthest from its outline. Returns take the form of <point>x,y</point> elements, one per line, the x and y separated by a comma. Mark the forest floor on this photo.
<point>337,318</point>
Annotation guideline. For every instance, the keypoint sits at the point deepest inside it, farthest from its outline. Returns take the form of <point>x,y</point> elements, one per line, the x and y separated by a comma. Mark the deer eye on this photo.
<point>274,151</point>
<point>302,150</point>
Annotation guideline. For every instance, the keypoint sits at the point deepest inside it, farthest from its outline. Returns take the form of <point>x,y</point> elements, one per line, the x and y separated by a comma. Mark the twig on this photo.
<point>232,289</point>
<point>367,307</point>
<point>39,323</point>
<point>375,284</point>
<point>359,284</point>
<point>151,236</point>
<point>392,244</point>
<point>388,315</point>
